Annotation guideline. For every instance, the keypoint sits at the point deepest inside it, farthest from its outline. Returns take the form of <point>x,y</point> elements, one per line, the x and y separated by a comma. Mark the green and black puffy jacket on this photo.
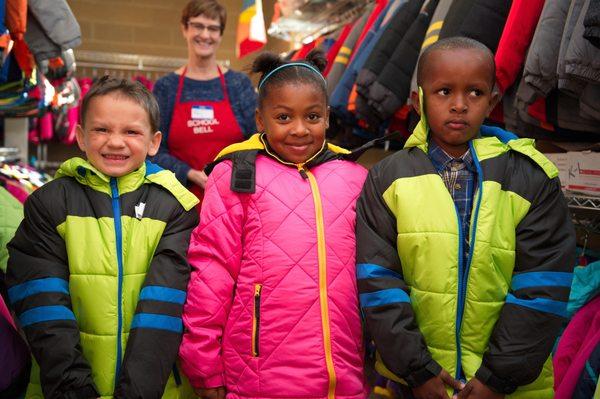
<point>97,274</point>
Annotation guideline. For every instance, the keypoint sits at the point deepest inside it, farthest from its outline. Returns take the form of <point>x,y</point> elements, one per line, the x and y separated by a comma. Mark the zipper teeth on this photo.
<point>256,319</point>
<point>323,284</point>
<point>460,293</point>
<point>473,230</point>
<point>119,245</point>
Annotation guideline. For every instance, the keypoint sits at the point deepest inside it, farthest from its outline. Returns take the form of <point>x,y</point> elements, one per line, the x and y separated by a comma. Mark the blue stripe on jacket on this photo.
<point>163,294</point>
<point>558,308</point>
<point>45,313</point>
<point>33,287</point>
<point>370,270</point>
<point>541,279</point>
<point>157,321</point>
<point>383,297</point>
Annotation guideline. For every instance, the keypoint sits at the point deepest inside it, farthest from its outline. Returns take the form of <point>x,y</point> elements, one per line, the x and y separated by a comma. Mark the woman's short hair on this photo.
<point>208,8</point>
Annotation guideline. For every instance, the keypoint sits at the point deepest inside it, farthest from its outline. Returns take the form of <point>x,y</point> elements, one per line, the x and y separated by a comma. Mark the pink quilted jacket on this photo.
<point>272,306</point>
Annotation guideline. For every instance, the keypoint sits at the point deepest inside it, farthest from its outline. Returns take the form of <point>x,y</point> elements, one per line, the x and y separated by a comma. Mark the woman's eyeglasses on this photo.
<point>198,27</point>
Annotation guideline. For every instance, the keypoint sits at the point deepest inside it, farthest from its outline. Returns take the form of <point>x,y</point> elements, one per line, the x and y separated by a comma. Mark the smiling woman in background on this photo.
<point>203,107</point>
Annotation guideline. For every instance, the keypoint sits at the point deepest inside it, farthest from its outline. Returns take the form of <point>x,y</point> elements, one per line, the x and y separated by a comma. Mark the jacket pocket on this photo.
<point>256,320</point>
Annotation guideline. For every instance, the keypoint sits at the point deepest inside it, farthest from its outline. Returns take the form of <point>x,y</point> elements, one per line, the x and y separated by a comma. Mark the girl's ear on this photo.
<point>260,126</point>
<point>414,99</point>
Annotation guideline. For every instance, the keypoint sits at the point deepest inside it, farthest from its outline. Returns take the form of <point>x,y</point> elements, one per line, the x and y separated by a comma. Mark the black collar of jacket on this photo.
<point>243,175</point>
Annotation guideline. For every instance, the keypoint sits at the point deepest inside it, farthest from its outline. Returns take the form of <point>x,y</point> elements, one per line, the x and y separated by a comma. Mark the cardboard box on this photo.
<point>561,160</point>
<point>584,172</point>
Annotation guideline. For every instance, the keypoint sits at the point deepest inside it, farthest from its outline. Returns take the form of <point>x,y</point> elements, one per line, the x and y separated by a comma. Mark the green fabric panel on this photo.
<point>541,388</point>
<point>168,180</point>
<point>95,180</point>
<point>527,147</point>
<point>101,353</point>
<point>418,138</point>
<point>11,214</point>
<point>489,147</point>
<point>427,228</point>
<point>128,183</point>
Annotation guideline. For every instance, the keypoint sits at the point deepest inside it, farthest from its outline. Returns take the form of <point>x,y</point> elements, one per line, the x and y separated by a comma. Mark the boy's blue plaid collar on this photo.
<point>441,159</point>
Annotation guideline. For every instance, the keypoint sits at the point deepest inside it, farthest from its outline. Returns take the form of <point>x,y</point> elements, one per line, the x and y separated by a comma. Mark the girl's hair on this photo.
<point>274,71</point>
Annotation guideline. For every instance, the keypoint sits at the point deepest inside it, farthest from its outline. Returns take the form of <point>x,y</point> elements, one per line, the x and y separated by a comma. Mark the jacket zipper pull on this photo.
<point>302,171</point>
<point>257,289</point>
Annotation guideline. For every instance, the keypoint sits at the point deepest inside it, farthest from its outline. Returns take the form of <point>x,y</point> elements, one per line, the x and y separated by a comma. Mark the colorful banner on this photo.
<point>251,32</point>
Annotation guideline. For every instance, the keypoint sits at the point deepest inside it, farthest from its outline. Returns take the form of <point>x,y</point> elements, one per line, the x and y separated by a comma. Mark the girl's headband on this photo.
<point>300,64</point>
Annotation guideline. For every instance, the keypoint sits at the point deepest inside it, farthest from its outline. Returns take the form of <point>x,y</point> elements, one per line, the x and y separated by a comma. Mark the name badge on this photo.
<point>203,112</point>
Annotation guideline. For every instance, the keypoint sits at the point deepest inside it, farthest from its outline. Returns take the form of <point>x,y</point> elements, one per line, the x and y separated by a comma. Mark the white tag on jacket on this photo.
<point>139,210</point>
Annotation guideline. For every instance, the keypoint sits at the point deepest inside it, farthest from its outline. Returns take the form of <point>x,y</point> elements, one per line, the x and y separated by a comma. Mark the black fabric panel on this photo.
<point>486,21</point>
<point>455,17</point>
<point>66,354</point>
<point>392,35</point>
<point>160,203</point>
<point>42,299</point>
<point>521,344</point>
<point>555,293</point>
<point>378,284</point>
<point>144,373</point>
<point>515,172</point>
<point>160,307</point>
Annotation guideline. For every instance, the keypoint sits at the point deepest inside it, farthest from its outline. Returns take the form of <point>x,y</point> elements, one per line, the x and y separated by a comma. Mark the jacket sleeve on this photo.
<point>384,296</point>
<point>536,304</point>
<point>214,255</point>
<point>157,321</point>
<point>38,288</point>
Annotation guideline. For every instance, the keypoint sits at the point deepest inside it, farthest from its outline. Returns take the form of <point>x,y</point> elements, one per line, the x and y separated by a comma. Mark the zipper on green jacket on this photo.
<point>464,277</point>
<point>116,206</point>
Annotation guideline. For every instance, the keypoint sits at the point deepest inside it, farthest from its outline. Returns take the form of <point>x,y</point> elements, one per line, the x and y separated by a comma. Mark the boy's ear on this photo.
<point>155,144</point>
<point>494,99</point>
<point>414,99</point>
<point>260,126</point>
<point>79,134</point>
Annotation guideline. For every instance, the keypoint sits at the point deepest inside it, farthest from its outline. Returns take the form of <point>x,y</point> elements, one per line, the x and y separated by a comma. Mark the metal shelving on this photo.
<point>585,211</point>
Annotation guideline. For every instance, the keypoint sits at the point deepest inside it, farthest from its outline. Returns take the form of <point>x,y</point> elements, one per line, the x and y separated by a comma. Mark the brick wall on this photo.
<point>151,27</point>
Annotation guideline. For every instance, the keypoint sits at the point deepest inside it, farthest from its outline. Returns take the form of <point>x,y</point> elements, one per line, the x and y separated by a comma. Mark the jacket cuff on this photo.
<point>421,376</point>
<point>85,392</point>
<point>497,384</point>
<point>213,381</point>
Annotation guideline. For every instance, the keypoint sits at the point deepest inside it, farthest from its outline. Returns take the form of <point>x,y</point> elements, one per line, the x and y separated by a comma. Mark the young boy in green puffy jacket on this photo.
<point>97,271</point>
<point>465,247</point>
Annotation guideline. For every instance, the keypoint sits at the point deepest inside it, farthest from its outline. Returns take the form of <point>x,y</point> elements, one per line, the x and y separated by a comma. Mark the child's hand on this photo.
<point>435,388</point>
<point>476,389</point>
<point>211,393</point>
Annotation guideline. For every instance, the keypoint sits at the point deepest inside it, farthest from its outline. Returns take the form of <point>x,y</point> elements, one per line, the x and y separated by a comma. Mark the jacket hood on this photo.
<point>86,174</point>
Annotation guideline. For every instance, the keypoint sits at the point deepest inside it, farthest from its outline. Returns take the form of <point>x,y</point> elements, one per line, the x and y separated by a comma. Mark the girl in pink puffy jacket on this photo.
<point>272,306</point>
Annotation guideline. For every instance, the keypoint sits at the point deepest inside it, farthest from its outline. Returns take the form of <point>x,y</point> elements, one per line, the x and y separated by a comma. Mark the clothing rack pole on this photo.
<point>15,135</point>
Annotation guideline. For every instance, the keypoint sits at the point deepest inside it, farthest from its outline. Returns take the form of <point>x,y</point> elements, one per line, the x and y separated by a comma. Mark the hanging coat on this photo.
<point>592,24</point>
<point>381,54</point>
<point>516,37</point>
<point>391,89</point>
<point>483,21</point>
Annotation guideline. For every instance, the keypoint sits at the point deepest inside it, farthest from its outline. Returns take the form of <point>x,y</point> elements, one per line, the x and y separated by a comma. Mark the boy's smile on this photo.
<point>458,94</point>
<point>116,135</point>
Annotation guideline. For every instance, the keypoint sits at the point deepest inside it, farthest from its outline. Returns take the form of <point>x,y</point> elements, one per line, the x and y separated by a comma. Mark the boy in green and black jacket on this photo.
<point>97,271</point>
<point>465,246</point>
